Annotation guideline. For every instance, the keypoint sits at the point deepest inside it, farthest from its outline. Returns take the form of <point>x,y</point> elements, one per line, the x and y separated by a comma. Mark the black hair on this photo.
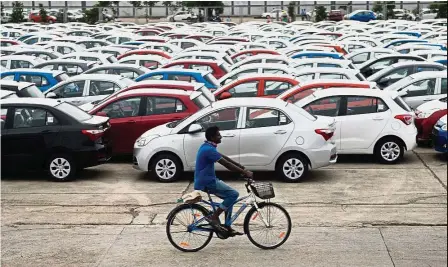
<point>211,132</point>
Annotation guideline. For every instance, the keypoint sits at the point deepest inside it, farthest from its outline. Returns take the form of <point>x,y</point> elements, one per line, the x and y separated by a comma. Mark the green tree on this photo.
<point>43,13</point>
<point>148,5</point>
<point>217,5</point>
<point>17,12</point>
<point>440,8</point>
<point>390,6</point>
<point>321,13</point>
<point>377,7</point>
<point>292,10</point>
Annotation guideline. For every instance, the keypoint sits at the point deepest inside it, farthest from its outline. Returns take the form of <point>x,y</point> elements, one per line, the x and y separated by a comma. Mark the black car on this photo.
<point>374,65</point>
<point>72,67</point>
<point>22,89</point>
<point>126,70</point>
<point>41,133</point>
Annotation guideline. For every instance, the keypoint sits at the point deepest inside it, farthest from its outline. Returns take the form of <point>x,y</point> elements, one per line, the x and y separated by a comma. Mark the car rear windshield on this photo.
<point>32,91</point>
<point>402,104</point>
<point>73,111</point>
<point>62,77</point>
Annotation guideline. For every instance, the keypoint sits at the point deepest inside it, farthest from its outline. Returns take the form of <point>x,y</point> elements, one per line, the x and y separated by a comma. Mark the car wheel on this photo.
<point>172,19</point>
<point>389,150</point>
<point>61,168</point>
<point>166,168</point>
<point>50,21</point>
<point>292,167</point>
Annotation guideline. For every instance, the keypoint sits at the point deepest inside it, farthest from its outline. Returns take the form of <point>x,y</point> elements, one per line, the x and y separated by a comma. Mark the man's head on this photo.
<point>212,134</point>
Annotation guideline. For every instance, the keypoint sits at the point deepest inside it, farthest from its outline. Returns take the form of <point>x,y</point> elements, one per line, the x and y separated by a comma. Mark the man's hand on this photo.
<point>248,174</point>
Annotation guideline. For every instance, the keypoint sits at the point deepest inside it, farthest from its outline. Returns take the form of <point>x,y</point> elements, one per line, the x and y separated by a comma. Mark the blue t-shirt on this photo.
<point>204,174</point>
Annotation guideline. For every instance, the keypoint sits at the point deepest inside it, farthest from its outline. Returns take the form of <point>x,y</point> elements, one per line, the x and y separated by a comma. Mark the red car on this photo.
<point>145,52</point>
<point>336,15</point>
<point>305,89</point>
<point>257,85</point>
<point>252,52</point>
<point>133,112</point>
<point>337,48</point>
<point>7,42</point>
<point>200,37</point>
<point>218,68</point>
<point>35,17</point>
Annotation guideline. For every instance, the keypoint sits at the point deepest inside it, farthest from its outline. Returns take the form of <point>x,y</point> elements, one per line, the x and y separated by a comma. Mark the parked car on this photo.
<point>168,150</point>
<point>250,69</point>
<point>43,79</point>
<point>86,88</point>
<point>440,135</point>
<point>126,70</point>
<point>35,17</point>
<point>300,64</point>
<point>274,13</point>
<point>91,57</point>
<point>135,111</point>
<point>154,52</point>
<point>21,89</point>
<point>53,135</point>
<point>374,65</point>
<point>241,55</point>
<point>367,121</point>
<point>360,56</point>
<point>40,53</point>
<point>263,58</point>
<point>336,15</point>
<point>392,74</point>
<point>361,15</point>
<point>150,62</point>
<point>71,67</point>
<point>305,74</point>
<point>19,61</point>
<point>427,115</point>
<point>182,16</point>
<point>197,76</point>
<point>421,87</point>
<point>217,68</point>
<point>311,54</point>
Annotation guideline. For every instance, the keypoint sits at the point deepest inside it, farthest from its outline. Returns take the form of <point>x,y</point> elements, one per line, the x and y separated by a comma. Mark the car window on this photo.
<point>128,62</point>
<point>65,50</point>
<point>70,69</point>
<point>73,89</point>
<point>125,73</point>
<point>420,69</point>
<point>94,59</point>
<point>305,77</point>
<point>257,118</point>
<point>225,119</point>
<point>357,105</point>
<point>443,87</point>
<point>397,74</point>
<point>36,79</point>
<point>20,64</point>
<point>176,77</point>
<point>327,65</point>
<point>360,58</point>
<point>249,89</point>
<point>155,77</point>
<point>185,45</point>
<point>32,117</point>
<point>200,67</point>
<point>382,63</point>
<point>164,105</point>
<point>150,64</point>
<point>276,87</point>
<point>328,106</point>
<point>308,65</point>
<point>421,88</point>
<point>4,63</point>
<point>123,108</point>
<point>332,76</point>
<point>102,88</point>
<point>8,77</point>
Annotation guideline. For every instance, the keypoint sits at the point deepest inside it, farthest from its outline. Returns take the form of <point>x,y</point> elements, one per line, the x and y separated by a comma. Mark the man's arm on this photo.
<point>232,167</point>
<point>232,161</point>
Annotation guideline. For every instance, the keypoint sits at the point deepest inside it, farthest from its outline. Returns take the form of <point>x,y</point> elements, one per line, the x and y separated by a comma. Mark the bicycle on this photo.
<point>262,214</point>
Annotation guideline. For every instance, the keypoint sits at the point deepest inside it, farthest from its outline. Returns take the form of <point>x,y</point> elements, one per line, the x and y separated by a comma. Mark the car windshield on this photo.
<point>73,111</point>
<point>175,123</point>
<point>62,77</point>
<point>32,91</point>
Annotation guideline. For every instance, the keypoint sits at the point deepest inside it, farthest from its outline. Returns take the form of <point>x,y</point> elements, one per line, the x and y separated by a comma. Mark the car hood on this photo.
<point>161,130</point>
<point>87,106</point>
<point>432,106</point>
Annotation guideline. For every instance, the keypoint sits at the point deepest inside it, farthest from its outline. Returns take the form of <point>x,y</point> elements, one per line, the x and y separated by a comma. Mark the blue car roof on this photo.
<point>33,71</point>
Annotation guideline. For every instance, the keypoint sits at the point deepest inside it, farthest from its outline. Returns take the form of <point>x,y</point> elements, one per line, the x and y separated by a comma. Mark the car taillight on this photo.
<point>326,133</point>
<point>406,119</point>
<point>93,134</point>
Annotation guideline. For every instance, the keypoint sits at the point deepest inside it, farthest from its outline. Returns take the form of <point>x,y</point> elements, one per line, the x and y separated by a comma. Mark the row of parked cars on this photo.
<point>287,97</point>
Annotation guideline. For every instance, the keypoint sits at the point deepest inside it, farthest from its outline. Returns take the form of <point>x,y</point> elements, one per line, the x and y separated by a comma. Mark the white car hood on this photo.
<point>432,106</point>
<point>87,106</point>
<point>161,130</point>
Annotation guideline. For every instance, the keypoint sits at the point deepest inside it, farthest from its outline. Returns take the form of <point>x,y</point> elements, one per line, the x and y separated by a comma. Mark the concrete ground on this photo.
<point>354,213</point>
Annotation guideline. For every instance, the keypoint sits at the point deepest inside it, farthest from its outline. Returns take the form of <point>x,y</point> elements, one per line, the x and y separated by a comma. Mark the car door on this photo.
<point>31,134</point>
<point>420,92</point>
<point>125,117</point>
<point>263,134</point>
<point>394,76</point>
<point>362,120</point>
<point>72,92</point>
<point>272,88</point>
<point>98,90</point>
<point>227,119</point>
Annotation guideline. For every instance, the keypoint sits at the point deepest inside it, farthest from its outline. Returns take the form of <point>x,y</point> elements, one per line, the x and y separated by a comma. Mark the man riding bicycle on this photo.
<point>205,178</point>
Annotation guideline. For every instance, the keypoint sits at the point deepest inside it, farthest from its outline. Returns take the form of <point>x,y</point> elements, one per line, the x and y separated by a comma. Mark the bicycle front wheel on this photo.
<point>277,230</point>
<point>179,228</point>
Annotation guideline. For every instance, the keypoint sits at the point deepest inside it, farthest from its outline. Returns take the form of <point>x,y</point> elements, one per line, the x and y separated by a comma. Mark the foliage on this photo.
<point>415,11</point>
<point>321,13</point>
<point>17,12</point>
<point>377,7</point>
<point>217,5</point>
<point>2,7</point>
<point>434,6</point>
<point>43,13</point>
<point>292,10</point>
<point>440,8</point>
<point>390,6</point>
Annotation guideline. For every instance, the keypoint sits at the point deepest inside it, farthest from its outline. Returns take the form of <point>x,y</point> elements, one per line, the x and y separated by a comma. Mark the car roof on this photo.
<point>109,77</point>
<point>249,101</point>
<point>321,60</point>
<point>170,82</point>
<point>168,70</point>
<point>64,60</point>
<point>327,70</point>
<point>46,71</point>
<point>418,76</point>
<point>142,57</point>
<point>156,91</point>
<point>32,101</point>
<point>353,91</point>
<point>218,62</point>
<point>20,85</point>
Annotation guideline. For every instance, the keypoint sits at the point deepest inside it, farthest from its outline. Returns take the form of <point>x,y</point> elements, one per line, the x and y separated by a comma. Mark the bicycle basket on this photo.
<point>263,190</point>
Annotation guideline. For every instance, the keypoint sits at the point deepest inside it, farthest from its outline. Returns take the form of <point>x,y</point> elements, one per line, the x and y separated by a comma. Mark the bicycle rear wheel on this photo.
<point>178,232</point>
<point>277,231</point>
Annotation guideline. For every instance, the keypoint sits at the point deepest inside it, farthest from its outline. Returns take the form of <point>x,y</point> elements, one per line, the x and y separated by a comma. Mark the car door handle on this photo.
<point>378,119</point>
<point>426,100</point>
<point>228,135</point>
<point>280,132</point>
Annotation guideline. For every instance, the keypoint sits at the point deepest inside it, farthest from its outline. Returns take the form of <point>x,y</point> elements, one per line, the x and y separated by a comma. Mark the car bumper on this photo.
<point>323,156</point>
<point>95,157</point>
<point>140,159</point>
<point>410,139</point>
<point>440,140</point>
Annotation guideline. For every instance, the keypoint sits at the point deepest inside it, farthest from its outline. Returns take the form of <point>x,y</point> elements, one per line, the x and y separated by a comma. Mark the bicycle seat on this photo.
<point>193,197</point>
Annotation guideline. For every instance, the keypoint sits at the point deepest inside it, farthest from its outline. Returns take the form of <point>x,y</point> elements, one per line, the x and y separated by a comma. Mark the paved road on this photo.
<point>354,213</point>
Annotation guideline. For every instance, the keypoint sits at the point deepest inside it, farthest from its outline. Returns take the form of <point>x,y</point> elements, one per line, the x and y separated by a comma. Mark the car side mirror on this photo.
<point>51,95</point>
<point>384,80</point>
<point>102,114</point>
<point>225,95</point>
<point>194,128</point>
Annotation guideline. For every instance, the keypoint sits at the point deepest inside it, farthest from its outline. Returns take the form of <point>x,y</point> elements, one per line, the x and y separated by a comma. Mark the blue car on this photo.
<point>312,54</point>
<point>441,61</point>
<point>187,75</point>
<point>440,135</point>
<point>43,79</point>
<point>361,15</point>
<point>399,42</point>
<point>409,33</point>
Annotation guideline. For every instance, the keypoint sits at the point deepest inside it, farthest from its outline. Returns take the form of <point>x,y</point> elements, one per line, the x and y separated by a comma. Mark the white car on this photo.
<point>108,50</point>
<point>299,64</point>
<point>294,141</point>
<point>86,88</point>
<point>329,73</point>
<point>263,58</point>
<point>429,54</point>
<point>367,121</point>
<point>421,87</point>
<point>185,43</point>
<point>182,16</point>
<point>427,13</point>
<point>203,55</point>
<point>20,61</point>
<point>91,57</point>
<point>428,108</point>
<point>360,56</point>
<point>151,62</point>
<point>273,14</point>
<point>276,43</point>
<point>64,47</point>
<point>249,69</point>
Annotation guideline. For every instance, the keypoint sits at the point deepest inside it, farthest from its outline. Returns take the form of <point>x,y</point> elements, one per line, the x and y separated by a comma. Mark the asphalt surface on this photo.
<point>354,213</point>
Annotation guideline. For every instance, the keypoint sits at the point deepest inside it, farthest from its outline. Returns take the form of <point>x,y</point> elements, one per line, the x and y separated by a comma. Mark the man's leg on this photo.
<point>228,194</point>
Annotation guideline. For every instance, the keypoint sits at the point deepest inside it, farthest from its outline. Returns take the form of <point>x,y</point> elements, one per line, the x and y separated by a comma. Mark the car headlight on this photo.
<point>143,141</point>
